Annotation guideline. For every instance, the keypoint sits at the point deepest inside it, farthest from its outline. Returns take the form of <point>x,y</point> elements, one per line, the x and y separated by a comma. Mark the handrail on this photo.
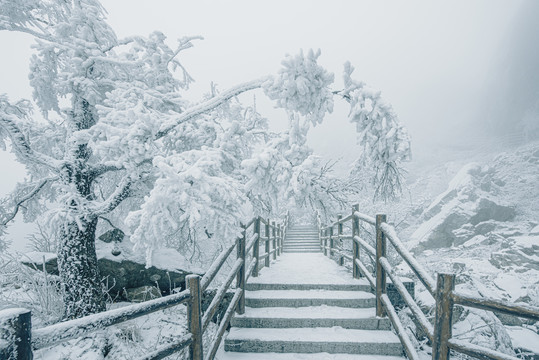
<point>422,319</point>
<point>420,272</point>
<point>215,267</point>
<point>365,218</point>
<point>365,244</point>
<point>212,308</point>
<point>442,290</point>
<point>196,285</point>
<point>485,303</point>
<point>59,332</point>
<point>251,242</point>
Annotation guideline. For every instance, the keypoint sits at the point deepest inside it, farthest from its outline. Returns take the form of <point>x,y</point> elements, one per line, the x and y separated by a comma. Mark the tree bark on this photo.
<point>77,258</point>
<point>77,264</point>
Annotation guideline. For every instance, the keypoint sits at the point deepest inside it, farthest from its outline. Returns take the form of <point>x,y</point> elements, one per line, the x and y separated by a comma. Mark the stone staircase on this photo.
<point>302,238</point>
<point>307,307</point>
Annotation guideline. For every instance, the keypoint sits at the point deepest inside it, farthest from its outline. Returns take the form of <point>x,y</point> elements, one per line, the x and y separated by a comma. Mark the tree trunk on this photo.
<point>77,264</point>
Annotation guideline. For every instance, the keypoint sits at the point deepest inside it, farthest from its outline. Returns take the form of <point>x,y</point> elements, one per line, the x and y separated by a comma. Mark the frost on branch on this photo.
<point>193,194</point>
<point>385,141</point>
<point>302,86</point>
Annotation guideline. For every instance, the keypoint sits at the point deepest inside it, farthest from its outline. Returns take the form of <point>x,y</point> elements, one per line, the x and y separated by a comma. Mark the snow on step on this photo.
<point>307,294</point>
<point>313,340</point>
<point>222,355</point>
<point>296,298</point>
<point>359,286</point>
<point>315,268</point>
<point>311,316</point>
<point>313,312</point>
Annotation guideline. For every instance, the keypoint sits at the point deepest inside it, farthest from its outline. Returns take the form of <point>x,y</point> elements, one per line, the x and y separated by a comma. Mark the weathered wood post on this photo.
<point>355,245</point>
<point>256,246</point>
<point>339,241</point>
<point>267,244</point>
<point>192,282</point>
<point>279,240</point>
<point>380,272</point>
<point>240,277</point>
<point>18,324</point>
<point>331,241</point>
<point>444,314</point>
<point>326,242</point>
<point>273,234</point>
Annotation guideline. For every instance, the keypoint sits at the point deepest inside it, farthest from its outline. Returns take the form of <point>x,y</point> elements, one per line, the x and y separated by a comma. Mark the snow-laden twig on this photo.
<point>8,217</point>
<point>209,105</point>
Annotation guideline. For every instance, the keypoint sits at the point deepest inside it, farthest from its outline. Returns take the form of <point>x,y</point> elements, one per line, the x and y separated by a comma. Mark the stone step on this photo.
<point>297,298</point>
<point>301,240</point>
<point>303,235</point>
<point>359,285</point>
<point>313,340</point>
<point>311,316</point>
<point>301,243</point>
<point>302,251</point>
<point>230,355</point>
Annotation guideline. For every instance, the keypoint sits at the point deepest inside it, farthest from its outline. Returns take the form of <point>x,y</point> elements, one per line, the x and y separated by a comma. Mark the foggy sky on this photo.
<point>432,60</point>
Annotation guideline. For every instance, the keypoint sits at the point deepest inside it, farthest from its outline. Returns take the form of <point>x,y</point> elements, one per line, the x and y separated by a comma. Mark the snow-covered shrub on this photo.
<point>30,288</point>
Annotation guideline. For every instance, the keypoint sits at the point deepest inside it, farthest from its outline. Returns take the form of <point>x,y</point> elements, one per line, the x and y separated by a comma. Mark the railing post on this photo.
<point>192,282</point>
<point>256,246</point>
<point>19,327</point>
<point>240,278</point>
<point>279,240</point>
<point>331,241</point>
<point>339,241</point>
<point>267,244</point>
<point>325,242</point>
<point>355,246</point>
<point>444,314</point>
<point>380,272</point>
<point>273,234</point>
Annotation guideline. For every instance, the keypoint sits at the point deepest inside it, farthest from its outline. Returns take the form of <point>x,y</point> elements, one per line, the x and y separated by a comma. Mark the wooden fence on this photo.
<point>442,290</point>
<point>20,339</point>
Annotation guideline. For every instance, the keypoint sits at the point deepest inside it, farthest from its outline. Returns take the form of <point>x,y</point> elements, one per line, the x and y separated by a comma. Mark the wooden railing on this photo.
<point>19,339</point>
<point>442,290</point>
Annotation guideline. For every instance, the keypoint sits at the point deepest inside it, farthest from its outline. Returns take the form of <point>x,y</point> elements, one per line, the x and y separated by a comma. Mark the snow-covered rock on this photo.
<point>469,207</point>
<point>122,268</point>
<point>485,228</point>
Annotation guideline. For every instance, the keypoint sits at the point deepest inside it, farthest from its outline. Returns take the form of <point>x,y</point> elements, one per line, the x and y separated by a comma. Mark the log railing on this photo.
<point>18,340</point>
<point>442,290</point>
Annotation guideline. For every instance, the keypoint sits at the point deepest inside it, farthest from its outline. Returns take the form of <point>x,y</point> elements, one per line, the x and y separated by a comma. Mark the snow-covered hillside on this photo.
<point>485,228</point>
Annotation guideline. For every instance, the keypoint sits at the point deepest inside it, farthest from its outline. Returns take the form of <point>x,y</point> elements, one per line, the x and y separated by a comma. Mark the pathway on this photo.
<point>307,307</point>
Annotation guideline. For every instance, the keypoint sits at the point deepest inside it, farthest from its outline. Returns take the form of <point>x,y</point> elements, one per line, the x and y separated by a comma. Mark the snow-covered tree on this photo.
<point>385,141</point>
<point>118,139</point>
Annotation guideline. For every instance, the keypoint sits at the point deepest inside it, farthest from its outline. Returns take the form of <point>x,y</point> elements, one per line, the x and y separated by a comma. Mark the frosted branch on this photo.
<point>122,191</point>
<point>25,198</point>
<point>22,146</point>
<point>209,105</point>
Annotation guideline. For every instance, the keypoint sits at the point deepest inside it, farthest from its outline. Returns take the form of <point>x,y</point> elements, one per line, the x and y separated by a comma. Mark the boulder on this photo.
<point>34,260</point>
<point>122,269</point>
<point>489,210</point>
